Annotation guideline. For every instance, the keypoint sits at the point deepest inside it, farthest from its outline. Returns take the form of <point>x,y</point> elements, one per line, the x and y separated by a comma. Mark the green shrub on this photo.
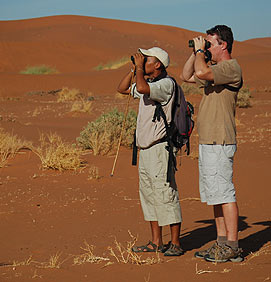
<point>42,69</point>
<point>102,135</point>
<point>243,98</point>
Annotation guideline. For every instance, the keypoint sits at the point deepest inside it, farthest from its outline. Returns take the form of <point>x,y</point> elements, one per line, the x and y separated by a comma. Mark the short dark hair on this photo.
<point>224,33</point>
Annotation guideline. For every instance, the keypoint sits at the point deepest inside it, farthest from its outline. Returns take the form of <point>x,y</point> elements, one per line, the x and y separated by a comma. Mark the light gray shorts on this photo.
<point>159,199</point>
<point>215,174</point>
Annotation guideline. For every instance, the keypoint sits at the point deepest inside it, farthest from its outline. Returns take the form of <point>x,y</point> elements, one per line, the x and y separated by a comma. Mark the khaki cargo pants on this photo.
<point>159,199</point>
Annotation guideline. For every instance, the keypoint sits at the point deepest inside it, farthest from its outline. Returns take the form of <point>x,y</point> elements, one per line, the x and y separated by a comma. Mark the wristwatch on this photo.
<point>199,50</point>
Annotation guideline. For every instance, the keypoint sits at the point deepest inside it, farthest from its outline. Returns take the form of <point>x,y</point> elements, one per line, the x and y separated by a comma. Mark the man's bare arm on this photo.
<point>188,69</point>
<point>125,83</point>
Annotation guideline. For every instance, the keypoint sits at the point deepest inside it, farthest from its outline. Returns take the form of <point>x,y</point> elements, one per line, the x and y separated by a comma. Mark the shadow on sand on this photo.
<point>201,236</point>
<point>256,241</point>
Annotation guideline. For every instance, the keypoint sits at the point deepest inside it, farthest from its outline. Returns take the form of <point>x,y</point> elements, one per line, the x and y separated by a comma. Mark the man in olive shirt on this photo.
<point>221,80</point>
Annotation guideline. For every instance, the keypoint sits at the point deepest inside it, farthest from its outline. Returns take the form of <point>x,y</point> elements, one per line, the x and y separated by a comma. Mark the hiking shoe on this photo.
<point>174,251</point>
<point>223,254</point>
<point>203,253</point>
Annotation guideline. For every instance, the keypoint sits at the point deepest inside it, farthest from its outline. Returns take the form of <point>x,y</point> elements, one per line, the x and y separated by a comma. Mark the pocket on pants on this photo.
<point>164,193</point>
<point>229,151</point>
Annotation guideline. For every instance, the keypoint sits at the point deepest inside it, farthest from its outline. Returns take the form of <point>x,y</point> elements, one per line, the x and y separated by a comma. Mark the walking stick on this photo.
<point>123,125</point>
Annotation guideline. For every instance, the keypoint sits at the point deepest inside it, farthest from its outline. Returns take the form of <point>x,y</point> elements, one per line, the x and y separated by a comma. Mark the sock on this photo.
<point>233,245</point>
<point>221,240</point>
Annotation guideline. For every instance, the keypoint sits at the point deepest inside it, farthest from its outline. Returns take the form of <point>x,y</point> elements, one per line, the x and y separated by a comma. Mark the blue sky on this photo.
<point>247,18</point>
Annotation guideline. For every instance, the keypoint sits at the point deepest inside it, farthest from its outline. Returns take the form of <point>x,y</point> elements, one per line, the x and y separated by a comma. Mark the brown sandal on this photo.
<point>145,248</point>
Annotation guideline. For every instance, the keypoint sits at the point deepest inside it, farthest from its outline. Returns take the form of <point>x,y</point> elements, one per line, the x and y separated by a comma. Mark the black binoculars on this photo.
<point>133,60</point>
<point>191,44</point>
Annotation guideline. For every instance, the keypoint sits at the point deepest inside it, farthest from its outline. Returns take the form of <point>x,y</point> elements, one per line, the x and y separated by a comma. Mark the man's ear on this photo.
<point>224,45</point>
<point>157,65</point>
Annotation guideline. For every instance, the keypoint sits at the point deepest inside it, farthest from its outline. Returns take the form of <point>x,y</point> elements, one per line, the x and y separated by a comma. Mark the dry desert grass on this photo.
<point>93,173</point>
<point>81,106</point>
<point>10,144</point>
<point>119,253</point>
<point>67,94</point>
<point>243,98</point>
<point>56,154</point>
<point>53,152</point>
<point>88,256</point>
<point>125,255</point>
<point>80,103</point>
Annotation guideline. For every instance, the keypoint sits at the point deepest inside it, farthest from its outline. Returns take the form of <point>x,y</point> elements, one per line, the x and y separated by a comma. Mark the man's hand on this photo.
<point>141,84</point>
<point>199,43</point>
<point>139,60</point>
<point>202,70</point>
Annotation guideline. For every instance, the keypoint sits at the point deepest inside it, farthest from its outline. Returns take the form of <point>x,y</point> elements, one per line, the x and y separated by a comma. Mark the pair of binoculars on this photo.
<point>191,44</point>
<point>133,60</point>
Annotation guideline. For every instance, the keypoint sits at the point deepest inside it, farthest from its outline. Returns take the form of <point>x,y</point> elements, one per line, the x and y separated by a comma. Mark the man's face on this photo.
<point>216,47</point>
<point>150,65</point>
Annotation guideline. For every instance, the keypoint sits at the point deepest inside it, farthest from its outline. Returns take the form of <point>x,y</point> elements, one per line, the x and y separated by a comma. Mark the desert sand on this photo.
<point>47,214</point>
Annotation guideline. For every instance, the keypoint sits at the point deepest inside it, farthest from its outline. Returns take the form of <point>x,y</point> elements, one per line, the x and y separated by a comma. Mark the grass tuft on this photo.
<point>9,145</point>
<point>81,103</point>
<point>22,263</point>
<point>42,69</point>
<point>102,135</point>
<point>54,261</point>
<point>113,65</point>
<point>67,94</point>
<point>88,256</point>
<point>93,173</point>
<point>126,255</point>
<point>56,154</point>
<point>243,98</point>
<point>81,106</point>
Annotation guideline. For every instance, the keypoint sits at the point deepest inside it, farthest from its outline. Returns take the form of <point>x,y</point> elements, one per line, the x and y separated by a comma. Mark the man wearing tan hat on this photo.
<point>159,199</point>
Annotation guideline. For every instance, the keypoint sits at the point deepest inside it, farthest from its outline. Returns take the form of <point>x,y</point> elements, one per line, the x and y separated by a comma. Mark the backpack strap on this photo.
<point>135,150</point>
<point>232,88</point>
<point>159,112</point>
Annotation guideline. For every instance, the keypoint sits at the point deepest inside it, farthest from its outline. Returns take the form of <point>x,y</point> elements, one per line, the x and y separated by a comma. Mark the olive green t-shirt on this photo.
<point>216,117</point>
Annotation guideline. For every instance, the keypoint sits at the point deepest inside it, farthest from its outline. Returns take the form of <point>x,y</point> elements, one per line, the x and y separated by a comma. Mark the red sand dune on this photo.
<point>75,45</point>
<point>46,212</point>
